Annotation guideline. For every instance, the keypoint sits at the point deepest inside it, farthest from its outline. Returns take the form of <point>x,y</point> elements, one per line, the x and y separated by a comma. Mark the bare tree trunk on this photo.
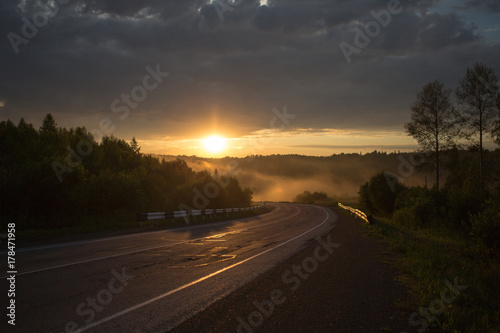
<point>437,169</point>
<point>437,156</point>
<point>438,201</point>
<point>481,150</point>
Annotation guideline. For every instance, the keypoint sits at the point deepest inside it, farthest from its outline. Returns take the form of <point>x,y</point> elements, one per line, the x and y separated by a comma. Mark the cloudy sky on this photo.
<point>311,77</point>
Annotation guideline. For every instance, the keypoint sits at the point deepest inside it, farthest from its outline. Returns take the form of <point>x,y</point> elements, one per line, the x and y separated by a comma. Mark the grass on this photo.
<point>426,258</point>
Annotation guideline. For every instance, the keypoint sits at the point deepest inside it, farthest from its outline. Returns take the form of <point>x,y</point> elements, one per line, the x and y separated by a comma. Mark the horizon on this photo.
<point>257,146</point>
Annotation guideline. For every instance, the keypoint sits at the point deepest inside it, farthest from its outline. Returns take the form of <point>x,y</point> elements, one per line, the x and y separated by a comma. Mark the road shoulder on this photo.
<point>349,288</point>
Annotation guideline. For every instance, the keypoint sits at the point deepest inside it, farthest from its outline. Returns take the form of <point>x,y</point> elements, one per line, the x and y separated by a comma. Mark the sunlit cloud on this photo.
<point>306,141</point>
<point>362,147</point>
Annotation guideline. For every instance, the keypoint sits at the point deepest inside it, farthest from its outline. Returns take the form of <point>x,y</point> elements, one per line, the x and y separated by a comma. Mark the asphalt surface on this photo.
<point>156,281</point>
<point>352,289</point>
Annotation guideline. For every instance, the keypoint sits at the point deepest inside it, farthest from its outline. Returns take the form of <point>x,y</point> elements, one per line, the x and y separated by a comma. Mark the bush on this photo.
<point>485,225</point>
<point>379,194</point>
<point>420,214</point>
<point>404,216</point>
<point>316,197</point>
<point>463,194</point>
<point>416,207</point>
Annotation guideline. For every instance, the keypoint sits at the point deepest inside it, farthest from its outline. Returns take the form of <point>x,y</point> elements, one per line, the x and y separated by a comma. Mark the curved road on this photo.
<point>153,281</point>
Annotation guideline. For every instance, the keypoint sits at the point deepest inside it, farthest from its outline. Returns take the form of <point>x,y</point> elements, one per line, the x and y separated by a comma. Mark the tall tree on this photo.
<point>433,120</point>
<point>49,124</point>
<point>496,130</point>
<point>477,95</point>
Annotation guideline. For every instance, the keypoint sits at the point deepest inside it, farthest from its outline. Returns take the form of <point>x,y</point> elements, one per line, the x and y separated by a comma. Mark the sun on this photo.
<point>214,144</point>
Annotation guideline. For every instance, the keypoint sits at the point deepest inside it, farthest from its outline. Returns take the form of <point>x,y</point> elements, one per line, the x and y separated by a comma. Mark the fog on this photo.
<point>282,177</point>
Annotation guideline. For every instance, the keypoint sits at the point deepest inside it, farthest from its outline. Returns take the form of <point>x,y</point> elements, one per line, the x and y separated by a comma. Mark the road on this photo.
<point>153,281</point>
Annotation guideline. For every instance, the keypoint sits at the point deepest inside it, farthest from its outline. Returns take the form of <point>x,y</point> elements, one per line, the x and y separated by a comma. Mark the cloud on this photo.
<point>486,5</point>
<point>230,74</point>
<point>350,147</point>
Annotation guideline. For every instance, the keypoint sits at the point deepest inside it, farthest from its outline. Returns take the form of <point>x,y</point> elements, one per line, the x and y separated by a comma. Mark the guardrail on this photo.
<point>358,213</point>
<point>141,217</point>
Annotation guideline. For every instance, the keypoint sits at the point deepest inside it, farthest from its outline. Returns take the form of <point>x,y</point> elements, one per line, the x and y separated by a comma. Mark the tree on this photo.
<point>316,197</point>
<point>135,145</point>
<point>379,194</point>
<point>49,124</point>
<point>495,133</point>
<point>433,120</point>
<point>106,182</point>
<point>477,95</point>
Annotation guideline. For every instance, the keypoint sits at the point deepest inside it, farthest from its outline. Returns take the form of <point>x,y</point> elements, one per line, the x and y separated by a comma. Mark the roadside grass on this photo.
<point>120,224</point>
<point>426,258</point>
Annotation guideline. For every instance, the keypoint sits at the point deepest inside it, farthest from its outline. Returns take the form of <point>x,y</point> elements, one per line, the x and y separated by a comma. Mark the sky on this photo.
<point>312,77</point>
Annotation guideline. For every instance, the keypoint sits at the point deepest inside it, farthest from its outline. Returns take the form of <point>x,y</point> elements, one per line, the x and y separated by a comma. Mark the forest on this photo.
<point>53,177</point>
<point>441,120</point>
<point>282,177</point>
<point>452,228</point>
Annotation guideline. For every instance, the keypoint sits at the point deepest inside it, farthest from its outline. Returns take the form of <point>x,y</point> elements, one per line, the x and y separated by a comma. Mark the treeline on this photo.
<point>53,177</point>
<point>313,198</point>
<point>461,205</point>
<point>469,200</point>
<point>281,177</point>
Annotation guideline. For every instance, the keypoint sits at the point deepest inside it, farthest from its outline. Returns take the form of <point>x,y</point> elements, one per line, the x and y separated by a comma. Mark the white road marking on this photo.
<point>51,246</point>
<point>147,249</point>
<point>121,313</point>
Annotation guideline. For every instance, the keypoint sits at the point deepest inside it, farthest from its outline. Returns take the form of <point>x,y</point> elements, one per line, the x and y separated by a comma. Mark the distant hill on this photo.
<point>282,177</point>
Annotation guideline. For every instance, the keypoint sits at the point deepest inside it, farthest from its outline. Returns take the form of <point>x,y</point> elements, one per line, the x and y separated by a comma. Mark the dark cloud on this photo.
<point>236,69</point>
<point>488,5</point>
